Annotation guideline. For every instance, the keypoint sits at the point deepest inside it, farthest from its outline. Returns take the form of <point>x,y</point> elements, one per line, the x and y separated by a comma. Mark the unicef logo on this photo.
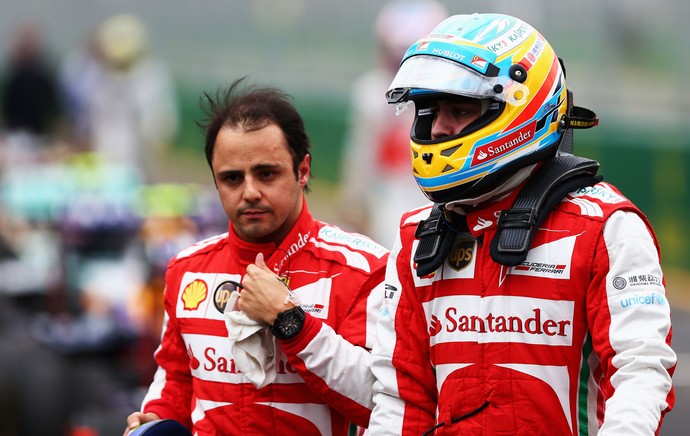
<point>619,283</point>
<point>636,300</point>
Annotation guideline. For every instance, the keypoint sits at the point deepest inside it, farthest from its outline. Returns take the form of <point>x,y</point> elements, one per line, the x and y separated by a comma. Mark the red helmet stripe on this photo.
<point>536,103</point>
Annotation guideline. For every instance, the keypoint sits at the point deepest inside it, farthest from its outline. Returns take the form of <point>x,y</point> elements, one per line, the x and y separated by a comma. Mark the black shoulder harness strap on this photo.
<point>435,238</point>
<point>516,226</point>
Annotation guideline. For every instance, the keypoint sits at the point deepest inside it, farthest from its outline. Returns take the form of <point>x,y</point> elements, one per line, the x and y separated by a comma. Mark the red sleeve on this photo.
<point>170,393</point>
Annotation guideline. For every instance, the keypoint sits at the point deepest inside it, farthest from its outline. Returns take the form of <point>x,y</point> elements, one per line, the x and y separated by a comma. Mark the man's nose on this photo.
<point>251,191</point>
<point>443,126</point>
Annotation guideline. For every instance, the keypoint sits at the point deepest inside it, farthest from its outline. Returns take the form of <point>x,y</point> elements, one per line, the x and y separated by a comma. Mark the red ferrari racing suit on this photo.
<point>574,340</point>
<point>324,378</point>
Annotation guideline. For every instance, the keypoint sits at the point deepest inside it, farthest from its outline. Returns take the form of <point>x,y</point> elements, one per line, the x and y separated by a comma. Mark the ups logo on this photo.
<point>222,295</point>
<point>461,254</point>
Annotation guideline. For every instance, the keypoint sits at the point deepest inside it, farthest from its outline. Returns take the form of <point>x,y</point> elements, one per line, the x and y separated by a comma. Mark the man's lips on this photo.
<point>253,213</point>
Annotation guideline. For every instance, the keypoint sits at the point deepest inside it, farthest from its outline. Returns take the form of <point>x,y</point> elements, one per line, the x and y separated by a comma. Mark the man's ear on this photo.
<point>304,171</point>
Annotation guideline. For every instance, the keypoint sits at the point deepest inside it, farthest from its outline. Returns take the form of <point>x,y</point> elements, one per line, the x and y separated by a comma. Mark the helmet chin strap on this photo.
<point>496,194</point>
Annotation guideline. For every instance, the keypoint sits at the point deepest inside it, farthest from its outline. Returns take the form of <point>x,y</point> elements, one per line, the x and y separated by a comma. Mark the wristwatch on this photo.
<point>289,323</point>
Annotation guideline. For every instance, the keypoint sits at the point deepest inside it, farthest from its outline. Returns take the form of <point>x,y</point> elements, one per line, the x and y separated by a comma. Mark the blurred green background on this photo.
<point>627,60</point>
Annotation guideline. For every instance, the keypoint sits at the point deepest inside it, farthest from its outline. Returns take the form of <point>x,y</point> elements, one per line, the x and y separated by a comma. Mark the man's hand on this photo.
<point>138,418</point>
<point>264,295</point>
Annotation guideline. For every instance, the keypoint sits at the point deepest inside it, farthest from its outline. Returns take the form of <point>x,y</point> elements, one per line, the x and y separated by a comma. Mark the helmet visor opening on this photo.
<point>425,115</point>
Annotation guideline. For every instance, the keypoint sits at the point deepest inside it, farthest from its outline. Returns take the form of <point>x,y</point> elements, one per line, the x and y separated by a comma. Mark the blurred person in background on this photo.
<point>316,337</point>
<point>121,96</point>
<point>376,183</point>
<point>79,74</point>
<point>529,299</point>
<point>30,109</point>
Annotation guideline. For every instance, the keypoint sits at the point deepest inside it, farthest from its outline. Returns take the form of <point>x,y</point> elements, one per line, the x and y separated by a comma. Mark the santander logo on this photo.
<point>504,145</point>
<point>471,318</point>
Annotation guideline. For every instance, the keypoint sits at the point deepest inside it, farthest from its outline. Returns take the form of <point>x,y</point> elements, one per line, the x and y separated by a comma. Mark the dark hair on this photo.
<point>253,108</point>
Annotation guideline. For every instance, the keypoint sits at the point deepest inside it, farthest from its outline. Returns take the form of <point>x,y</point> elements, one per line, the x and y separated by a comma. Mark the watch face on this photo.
<point>289,323</point>
<point>291,326</point>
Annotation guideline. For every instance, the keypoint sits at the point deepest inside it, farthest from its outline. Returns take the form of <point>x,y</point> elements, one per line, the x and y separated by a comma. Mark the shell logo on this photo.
<point>194,293</point>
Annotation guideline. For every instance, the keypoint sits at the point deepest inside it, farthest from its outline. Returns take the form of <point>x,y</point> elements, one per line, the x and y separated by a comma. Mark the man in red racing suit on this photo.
<point>517,308</point>
<point>318,377</point>
<point>521,350</point>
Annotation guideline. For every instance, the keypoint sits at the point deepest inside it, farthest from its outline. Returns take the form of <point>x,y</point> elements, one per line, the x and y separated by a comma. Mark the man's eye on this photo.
<point>231,178</point>
<point>459,112</point>
<point>267,174</point>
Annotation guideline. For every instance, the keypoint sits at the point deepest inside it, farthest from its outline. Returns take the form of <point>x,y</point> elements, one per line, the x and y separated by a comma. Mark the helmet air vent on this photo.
<point>449,151</point>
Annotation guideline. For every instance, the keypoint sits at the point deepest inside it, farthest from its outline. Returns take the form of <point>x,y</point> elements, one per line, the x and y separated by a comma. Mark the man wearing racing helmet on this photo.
<point>529,298</point>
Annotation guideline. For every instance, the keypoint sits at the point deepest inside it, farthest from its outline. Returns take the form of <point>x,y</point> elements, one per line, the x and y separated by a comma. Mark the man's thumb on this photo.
<point>259,261</point>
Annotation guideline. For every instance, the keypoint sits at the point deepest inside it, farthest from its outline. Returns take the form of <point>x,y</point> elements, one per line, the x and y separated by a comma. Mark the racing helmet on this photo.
<point>513,70</point>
